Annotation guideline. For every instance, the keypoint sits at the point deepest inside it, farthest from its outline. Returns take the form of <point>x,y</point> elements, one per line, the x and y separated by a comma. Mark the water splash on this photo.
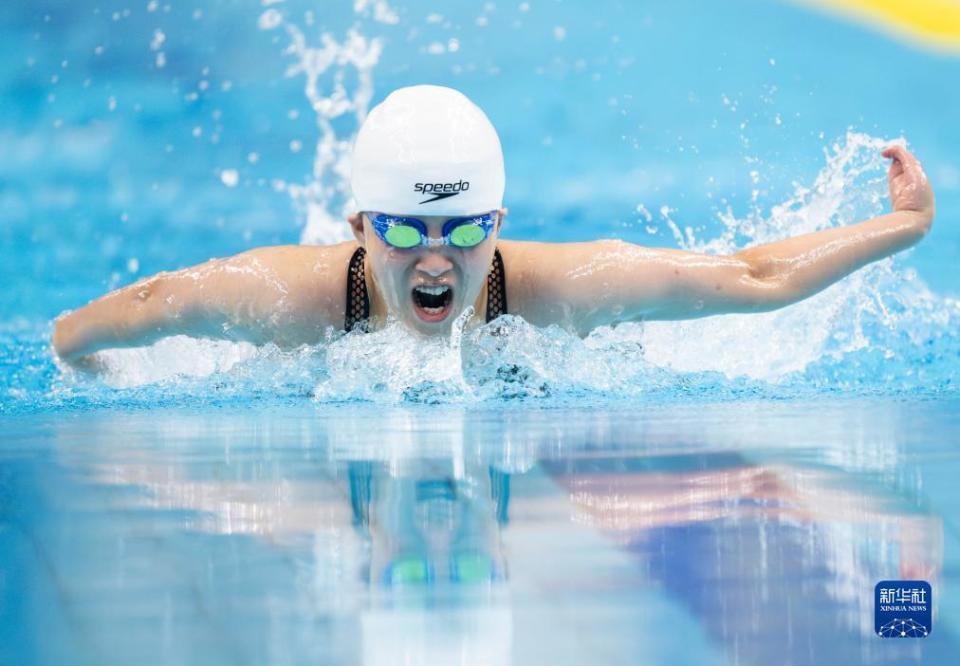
<point>395,364</point>
<point>878,331</point>
<point>867,311</point>
<point>338,83</point>
<point>851,187</point>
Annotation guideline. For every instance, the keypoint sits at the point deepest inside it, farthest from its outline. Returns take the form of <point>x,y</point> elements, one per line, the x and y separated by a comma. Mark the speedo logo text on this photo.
<point>441,190</point>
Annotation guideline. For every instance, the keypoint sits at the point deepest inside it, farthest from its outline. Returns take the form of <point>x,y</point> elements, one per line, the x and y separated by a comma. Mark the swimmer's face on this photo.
<point>426,288</point>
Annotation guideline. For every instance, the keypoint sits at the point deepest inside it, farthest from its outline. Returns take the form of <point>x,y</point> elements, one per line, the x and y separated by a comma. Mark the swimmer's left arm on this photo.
<point>585,285</point>
<point>802,266</point>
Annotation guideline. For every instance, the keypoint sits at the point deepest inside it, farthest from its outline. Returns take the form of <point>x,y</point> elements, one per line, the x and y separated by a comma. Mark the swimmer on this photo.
<point>428,182</point>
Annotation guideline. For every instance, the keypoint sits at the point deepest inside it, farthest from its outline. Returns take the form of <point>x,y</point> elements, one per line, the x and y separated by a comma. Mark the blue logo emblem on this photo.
<point>903,609</point>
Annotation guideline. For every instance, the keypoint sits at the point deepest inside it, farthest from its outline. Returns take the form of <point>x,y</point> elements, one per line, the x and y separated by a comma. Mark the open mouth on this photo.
<point>432,303</point>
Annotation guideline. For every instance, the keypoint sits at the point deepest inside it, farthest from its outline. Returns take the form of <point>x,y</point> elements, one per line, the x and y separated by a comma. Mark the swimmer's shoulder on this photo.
<point>536,272</point>
<point>315,278</point>
<point>523,265</point>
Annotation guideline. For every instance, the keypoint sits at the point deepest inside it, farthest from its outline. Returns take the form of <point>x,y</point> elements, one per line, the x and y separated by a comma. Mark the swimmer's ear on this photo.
<point>356,225</point>
<point>502,214</point>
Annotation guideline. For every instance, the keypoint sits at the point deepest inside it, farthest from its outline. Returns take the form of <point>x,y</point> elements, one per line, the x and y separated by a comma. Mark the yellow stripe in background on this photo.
<point>934,23</point>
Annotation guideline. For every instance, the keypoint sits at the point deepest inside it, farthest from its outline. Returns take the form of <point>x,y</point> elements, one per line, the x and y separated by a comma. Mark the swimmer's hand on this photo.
<point>910,190</point>
<point>66,347</point>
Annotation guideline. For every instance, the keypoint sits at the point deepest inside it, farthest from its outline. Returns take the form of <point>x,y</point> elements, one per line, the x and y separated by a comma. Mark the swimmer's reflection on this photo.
<point>785,549</point>
<point>436,562</point>
<point>431,521</point>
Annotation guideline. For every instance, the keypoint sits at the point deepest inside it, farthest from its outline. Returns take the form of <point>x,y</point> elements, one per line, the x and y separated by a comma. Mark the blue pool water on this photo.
<point>725,490</point>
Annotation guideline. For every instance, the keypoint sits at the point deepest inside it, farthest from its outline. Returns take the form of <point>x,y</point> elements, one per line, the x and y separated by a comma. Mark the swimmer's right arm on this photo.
<point>289,295</point>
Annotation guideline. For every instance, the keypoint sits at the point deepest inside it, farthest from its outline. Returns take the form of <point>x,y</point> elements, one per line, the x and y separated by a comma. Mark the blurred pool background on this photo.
<point>140,137</point>
<point>146,138</point>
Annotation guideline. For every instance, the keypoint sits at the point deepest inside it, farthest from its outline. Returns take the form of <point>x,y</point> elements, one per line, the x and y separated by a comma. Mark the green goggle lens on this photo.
<point>403,236</point>
<point>406,233</point>
<point>409,571</point>
<point>467,235</point>
<point>473,568</point>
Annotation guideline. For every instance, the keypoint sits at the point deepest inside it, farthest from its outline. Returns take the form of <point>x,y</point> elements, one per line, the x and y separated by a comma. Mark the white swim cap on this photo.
<point>427,150</point>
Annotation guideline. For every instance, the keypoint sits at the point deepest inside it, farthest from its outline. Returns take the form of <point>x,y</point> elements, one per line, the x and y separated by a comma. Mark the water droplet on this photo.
<point>158,39</point>
<point>270,19</point>
<point>229,177</point>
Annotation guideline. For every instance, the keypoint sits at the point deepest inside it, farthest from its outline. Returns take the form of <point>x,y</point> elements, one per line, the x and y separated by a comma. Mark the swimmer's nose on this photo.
<point>434,264</point>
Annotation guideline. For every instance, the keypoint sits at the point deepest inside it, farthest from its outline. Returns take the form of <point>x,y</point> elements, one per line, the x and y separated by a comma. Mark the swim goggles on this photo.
<point>407,232</point>
<point>466,568</point>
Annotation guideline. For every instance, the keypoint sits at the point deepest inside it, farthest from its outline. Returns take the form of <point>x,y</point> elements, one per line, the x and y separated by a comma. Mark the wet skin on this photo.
<point>294,295</point>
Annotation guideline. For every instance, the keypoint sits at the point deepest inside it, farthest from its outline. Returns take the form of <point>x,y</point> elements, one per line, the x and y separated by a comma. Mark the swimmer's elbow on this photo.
<point>758,288</point>
<point>735,293</point>
<point>767,296</point>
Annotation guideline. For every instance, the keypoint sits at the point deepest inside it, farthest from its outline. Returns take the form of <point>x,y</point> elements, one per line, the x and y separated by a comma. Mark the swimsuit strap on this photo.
<point>358,301</point>
<point>496,288</point>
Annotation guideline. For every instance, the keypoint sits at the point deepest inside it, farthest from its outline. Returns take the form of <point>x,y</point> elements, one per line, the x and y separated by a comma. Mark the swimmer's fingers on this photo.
<point>896,166</point>
<point>900,153</point>
<point>904,162</point>
<point>893,151</point>
<point>909,188</point>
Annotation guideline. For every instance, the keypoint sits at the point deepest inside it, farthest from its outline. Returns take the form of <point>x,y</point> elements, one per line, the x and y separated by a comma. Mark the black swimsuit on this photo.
<point>358,301</point>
